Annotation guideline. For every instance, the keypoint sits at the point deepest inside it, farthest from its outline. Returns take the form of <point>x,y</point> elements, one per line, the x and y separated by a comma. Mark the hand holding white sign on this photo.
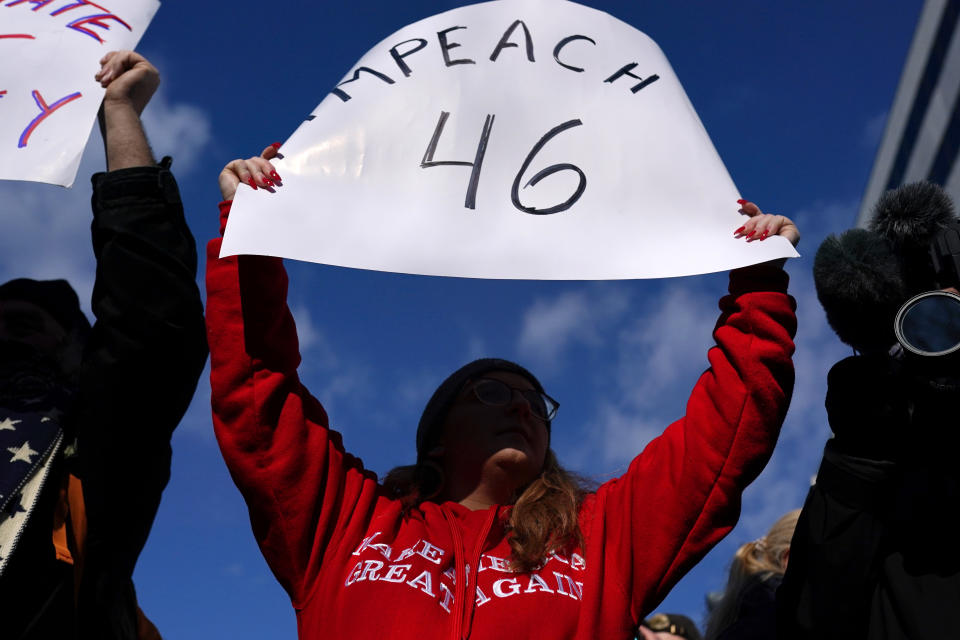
<point>130,81</point>
<point>129,78</point>
<point>253,171</point>
<point>49,53</point>
<point>526,139</point>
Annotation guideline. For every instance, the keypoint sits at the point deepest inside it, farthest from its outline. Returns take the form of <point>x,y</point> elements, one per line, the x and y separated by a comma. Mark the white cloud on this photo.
<point>551,326</point>
<point>176,129</point>
<point>348,382</point>
<point>624,434</point>
<point>665,346</point>
<point>822,218</point>
<point>768,498</point>
<point>328,377</point>
<point>342,388</point>
<point>658,355</point>
<point>415,389</point>
<point>309,335</point>
<point>648,356</point>
<point>476,348</point>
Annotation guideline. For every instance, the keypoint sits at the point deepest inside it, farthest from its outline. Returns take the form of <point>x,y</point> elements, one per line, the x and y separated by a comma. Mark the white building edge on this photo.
<point>922,136</point>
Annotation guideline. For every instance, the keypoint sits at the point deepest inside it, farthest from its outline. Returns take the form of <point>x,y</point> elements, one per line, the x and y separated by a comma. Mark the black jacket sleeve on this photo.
<point>835,554</point>
<point>140,367</point>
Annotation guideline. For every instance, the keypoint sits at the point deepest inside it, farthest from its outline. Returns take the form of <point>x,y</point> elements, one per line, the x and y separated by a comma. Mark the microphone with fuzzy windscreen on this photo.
<point>881,285</point>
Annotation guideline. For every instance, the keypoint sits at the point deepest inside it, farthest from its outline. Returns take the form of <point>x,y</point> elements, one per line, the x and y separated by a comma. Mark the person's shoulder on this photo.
<point>761,590</point>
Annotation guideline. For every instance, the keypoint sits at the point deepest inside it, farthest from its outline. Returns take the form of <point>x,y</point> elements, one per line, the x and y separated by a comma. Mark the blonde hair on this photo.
<point>761,559</point>
<point>544,518</point>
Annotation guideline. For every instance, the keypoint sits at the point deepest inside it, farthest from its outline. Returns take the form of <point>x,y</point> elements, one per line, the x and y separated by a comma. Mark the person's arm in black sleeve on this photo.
<point>836,552</point>
<point>145,352</point>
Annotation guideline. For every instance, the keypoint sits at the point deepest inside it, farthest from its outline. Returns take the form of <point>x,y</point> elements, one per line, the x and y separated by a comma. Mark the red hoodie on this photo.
<point>356,568</point>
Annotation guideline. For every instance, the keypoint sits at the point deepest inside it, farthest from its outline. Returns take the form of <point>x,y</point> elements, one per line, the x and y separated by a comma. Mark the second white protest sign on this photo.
<point>49,55</point>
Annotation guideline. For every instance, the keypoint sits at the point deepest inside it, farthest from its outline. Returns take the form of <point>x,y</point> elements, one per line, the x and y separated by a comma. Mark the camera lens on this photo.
<point>929,324</point>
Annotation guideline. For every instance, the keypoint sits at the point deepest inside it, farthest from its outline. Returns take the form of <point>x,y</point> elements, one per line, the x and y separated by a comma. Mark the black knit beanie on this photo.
<point>56,297</point>
<point>436,410</point>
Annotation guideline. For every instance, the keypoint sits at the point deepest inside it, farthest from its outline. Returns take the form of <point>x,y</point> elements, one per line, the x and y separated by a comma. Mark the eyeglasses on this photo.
<point>496,393</point>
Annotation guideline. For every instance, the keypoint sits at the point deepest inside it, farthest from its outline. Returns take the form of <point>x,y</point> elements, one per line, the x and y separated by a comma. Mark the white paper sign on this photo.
<point>531,139</point>
<point>50,51</point>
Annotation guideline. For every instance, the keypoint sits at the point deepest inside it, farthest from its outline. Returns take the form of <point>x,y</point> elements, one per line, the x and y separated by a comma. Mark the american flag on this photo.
<point>28,445</point>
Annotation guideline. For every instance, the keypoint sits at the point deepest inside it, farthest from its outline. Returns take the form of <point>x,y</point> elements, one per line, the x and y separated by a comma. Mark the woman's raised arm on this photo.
<point>681,495</point>
<point>275,438</point>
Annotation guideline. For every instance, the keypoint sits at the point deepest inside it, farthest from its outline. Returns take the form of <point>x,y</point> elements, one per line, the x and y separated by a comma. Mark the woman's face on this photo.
<point>510,437</point>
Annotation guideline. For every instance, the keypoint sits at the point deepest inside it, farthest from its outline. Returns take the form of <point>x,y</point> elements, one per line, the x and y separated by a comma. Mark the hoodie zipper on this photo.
<point>464,606</point>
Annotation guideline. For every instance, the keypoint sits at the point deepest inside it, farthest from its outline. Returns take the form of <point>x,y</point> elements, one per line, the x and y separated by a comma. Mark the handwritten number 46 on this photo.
<point>471,198</point>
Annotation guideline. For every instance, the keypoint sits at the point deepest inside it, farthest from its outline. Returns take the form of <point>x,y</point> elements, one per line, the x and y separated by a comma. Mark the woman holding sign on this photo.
<point>486,536</point>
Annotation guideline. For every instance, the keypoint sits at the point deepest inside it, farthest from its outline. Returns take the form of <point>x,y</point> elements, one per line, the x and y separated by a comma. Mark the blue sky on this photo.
<point>794,96</point>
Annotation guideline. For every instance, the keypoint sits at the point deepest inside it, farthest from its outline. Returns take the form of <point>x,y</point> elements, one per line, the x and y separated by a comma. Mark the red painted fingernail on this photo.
<point>741,202</point>
<point>739,230</point>
<point>276,145</point>
<point>750,235</point>
<point>267,182</point>
<point>275,176</point>
<point>252,184</point>
<point>764,235</point>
